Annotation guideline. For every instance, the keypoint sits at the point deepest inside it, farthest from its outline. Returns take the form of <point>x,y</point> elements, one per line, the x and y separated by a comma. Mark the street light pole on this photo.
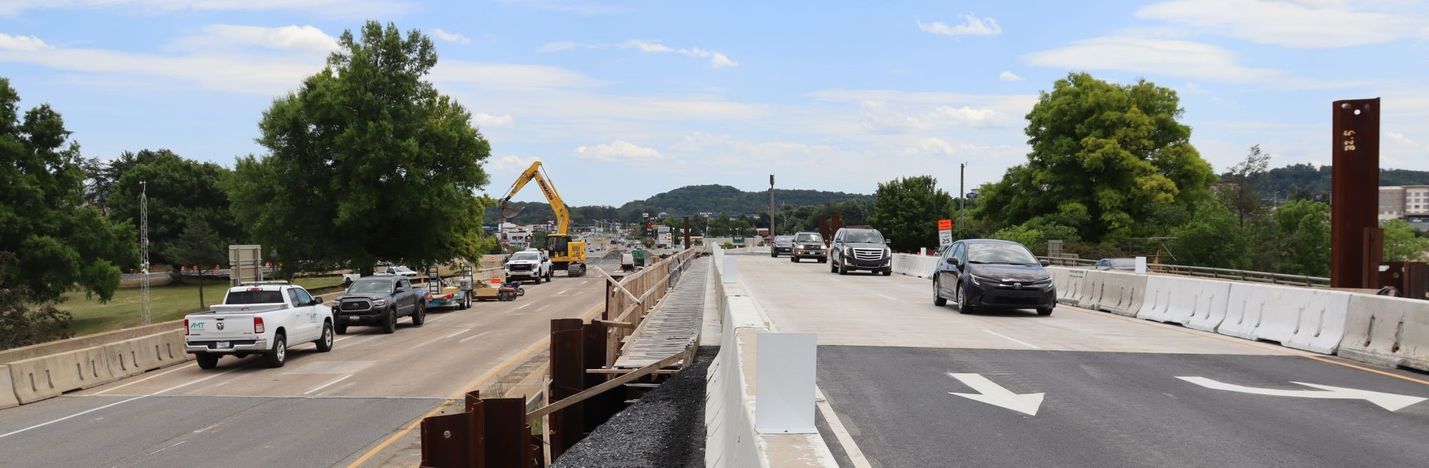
<point>771,207</point>
<point>962,195</point>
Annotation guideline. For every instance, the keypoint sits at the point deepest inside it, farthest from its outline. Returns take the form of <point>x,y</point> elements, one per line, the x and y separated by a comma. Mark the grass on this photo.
<point>168,302</point>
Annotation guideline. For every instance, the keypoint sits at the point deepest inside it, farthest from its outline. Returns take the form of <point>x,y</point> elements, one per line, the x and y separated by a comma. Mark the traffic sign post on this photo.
<point>945,232</point>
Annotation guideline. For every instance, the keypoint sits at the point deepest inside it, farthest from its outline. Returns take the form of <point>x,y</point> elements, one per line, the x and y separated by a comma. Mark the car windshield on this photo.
<point>808,237</point>
<point>863,237</point>
<point>1004,253</point>
<point>526,256</point>
<point>367,287</point>
<point>253,297</point>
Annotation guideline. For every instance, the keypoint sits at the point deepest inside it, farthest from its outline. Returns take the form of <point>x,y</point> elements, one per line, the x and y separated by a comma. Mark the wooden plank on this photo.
<point>598,389</point>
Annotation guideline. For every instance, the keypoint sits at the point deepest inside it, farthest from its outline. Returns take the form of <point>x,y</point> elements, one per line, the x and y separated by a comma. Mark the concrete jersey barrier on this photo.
<point>921,266</point>
<point>1387,330</point>
<point>7,388</point>
<point>50,376</point>
<point>1122,293</point>
<point>1312,320</point>
<point>1195,303</point>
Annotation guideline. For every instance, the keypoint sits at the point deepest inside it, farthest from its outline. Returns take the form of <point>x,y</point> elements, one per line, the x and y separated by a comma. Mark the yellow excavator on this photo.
<point>566,254</point>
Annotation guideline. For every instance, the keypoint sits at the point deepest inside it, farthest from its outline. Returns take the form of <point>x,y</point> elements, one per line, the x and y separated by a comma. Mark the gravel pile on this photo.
<point>666,428</point>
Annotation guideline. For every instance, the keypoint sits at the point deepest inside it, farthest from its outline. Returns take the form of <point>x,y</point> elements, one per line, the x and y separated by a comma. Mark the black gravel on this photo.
<point>666,428</point>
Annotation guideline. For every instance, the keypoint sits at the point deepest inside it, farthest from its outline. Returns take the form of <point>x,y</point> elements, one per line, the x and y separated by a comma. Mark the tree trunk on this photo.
<point>201,303</point>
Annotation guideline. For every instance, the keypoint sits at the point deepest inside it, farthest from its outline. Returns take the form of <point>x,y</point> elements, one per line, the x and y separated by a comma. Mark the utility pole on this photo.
<point>144,313</point>
<point>771,207</point>
<point>962,196</point>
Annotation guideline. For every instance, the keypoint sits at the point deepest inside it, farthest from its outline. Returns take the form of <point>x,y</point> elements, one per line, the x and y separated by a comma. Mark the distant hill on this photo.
<point>1305,180</point>
<point>684,201</point>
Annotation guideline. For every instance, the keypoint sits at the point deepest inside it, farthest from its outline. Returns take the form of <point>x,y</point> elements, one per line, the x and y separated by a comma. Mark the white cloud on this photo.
<point>619,150</point>
<point>21,43</point>
<point>1304,24</point>
<point>1152,57</point>
<point>509,76</point>
<point>450,37</point>
<point>932,146</point>
<point>1401,140</point>
<point>717,59</point>
<point>569,6</point>
<point>971,26</point>
<point>879,115</point>
<point>510,163</point>
<point>482,119</point>
<point>1008,76</point>
<point>567,45</point>
<point>227,36</point>
<point>329,7</point>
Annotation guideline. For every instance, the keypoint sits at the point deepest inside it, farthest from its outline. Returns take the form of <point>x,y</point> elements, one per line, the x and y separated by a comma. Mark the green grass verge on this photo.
<point>168,302</point>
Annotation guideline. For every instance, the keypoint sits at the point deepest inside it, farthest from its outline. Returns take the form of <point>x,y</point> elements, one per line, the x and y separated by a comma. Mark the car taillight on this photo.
<point>257,324</point>
<point>186,326</point>
<point>450,295</point>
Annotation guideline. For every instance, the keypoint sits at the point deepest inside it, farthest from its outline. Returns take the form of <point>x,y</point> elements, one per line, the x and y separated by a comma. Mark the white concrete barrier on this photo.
<point>921,266</point>
<point>1070,290</point>
<point>1387,330</point>
<point>7,388</point>
<point>1308,319</point>
<point>730,392</point>
<point>50,376</point>
<point>1195,303</point>
<point>1093,288</point>
<point>1322,323</point>
<point>1122,293</point>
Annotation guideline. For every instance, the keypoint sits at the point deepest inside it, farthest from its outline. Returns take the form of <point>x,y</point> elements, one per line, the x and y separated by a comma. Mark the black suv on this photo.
<point>860,249</point>
<point>379,300</point>
<point>808,245</point>
<point>995,274</point>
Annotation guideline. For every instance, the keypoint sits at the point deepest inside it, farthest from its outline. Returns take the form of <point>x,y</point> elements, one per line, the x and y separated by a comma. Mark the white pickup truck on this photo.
<point>260,318</point>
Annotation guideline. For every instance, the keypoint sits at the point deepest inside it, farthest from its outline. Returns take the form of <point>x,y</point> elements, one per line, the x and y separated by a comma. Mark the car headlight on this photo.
<point>379,302</point>
<point>887,252</point>
<point>977,281</point>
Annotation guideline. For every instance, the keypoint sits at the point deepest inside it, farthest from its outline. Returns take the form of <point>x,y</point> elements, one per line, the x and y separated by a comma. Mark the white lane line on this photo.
<point>424,343</point>
<point>110,389</point>
<point>454,335</point>
<point>181,442</point>
<point>472,337</point>
<point>855,455</point>
<point>524,306</point>
<point>111,405</point>
<point>1014,340</point>
<point>544,307</point>
<point>885,296</point>
<point>326,385</point>
<point>563,292</point>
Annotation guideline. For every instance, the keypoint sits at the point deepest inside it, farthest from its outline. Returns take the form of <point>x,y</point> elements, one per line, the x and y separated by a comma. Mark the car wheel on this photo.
<point>887,272</point>
<point>823,260</point>
<point>420,315</point>
<point>206,360</point>
<point>833,268</point>
<point>963,307</point>
<point>279,354</point>
<point>793,259</point>
<point>938,299</point>
<point>843,268</point>
<point>1045,311</point>
<point>389,323</point>
<point>325,342</point>
<point>341,326</point>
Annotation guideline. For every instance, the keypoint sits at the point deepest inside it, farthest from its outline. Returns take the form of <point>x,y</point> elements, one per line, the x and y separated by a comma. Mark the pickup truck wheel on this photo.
<point>206,360</point>
<point>419,315</point>
<point>341,327</point>
<point>279,354</point>
<point>325,342</point>
<point>389,323</point>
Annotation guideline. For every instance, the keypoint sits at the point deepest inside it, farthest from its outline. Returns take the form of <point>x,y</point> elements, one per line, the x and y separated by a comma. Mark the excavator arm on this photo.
<point>558,206</point>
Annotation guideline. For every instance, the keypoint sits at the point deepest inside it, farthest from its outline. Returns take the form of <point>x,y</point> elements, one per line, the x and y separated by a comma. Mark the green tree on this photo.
<point>367,162</point>
<point>907,210</point>
<point>51,240</point>
<point>180,191</point>
<point>1109,154</point>
<point>1240,187</point>
<point>1214,238</point>
<point>1300,234</point>
<point>1402,243</point>
<point>198,245</point>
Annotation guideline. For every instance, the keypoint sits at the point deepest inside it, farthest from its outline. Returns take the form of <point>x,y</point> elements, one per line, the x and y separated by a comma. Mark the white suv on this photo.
<point>529,264</point>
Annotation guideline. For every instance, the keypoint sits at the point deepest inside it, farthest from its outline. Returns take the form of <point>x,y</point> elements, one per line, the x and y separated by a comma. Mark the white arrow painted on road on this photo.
<point>1389,401</point>
<point>993,394</point>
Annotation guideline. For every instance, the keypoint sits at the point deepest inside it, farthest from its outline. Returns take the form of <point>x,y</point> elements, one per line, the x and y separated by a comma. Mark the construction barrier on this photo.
<point>921,266</point>
<point>1312,320</point>
<point>7,388</point>
<point>50,376</point>
<point>1322,322</point>
<point>1387,330</point>
<point>1069,289</point>
<point>1093,288</point>
<point>1122,293</point>
<point>1195,303</point>
<point>730,436</point>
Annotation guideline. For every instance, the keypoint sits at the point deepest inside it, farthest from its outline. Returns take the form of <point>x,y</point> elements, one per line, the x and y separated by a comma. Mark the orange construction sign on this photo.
<point>945,225</point>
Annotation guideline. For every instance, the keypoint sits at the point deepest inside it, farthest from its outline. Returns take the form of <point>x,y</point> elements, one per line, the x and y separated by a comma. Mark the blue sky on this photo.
<point>623,100</point>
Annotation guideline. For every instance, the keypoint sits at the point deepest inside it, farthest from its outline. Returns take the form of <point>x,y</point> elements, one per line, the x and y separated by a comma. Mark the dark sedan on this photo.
<point>782,245</point>
<point>993,274</point>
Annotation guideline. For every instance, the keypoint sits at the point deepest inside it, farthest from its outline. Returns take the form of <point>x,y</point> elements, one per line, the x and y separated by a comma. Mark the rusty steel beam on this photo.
<point>567,379</point>
<point>1354,192</point>
<point>600,408</point>
<point>508,437</point>
<point>444,441</point>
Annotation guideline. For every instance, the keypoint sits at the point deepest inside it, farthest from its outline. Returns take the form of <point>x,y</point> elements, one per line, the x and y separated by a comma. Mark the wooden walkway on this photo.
<point>673,325</point>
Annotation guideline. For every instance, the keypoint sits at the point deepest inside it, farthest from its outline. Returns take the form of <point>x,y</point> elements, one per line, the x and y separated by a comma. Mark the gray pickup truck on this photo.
<point>379,300</point>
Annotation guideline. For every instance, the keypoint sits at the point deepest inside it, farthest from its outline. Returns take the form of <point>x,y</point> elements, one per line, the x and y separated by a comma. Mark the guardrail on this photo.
<point>1210,272</point>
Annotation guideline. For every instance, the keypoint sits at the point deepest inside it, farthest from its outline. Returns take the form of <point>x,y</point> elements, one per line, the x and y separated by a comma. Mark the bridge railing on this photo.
<point>1210,272</point>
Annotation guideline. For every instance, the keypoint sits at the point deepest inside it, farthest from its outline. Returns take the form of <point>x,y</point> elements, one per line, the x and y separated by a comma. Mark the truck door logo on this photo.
<point>220,325</point>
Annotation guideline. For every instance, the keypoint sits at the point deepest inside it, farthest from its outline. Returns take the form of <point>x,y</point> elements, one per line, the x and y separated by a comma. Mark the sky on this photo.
<point>623,100</point>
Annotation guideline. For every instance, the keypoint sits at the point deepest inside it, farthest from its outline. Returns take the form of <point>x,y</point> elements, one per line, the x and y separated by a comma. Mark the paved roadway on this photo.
<point>321,409</point>
<point>1110,392</point>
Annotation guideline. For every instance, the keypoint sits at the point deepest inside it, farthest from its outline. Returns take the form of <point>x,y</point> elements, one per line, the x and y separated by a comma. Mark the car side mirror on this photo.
<point>952,261</point>
<point>316,301</point>
<point>1044,262</point>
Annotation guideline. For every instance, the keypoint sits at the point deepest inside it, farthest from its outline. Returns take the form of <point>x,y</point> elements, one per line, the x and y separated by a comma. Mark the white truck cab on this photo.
<point>260,318</point>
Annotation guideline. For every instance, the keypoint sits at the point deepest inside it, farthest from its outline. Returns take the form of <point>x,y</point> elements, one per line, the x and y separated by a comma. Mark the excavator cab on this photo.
<point>566,254</point>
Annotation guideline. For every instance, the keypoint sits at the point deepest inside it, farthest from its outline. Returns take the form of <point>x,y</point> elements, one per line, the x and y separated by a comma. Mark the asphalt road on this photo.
<point>1077,388</point>
<point>321,409</point>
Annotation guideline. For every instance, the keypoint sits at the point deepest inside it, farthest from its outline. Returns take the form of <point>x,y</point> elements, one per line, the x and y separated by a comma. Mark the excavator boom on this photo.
<point>565,254</point>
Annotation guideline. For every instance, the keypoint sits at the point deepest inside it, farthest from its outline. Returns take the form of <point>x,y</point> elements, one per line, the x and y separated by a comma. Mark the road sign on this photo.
<point>945,225</point>
<point>945,232</point>
<point>1389,401</point>
<point>993,394</point>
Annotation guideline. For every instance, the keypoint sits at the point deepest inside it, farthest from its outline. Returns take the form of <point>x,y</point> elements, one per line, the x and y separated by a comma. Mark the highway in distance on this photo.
<point>913,384</point>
